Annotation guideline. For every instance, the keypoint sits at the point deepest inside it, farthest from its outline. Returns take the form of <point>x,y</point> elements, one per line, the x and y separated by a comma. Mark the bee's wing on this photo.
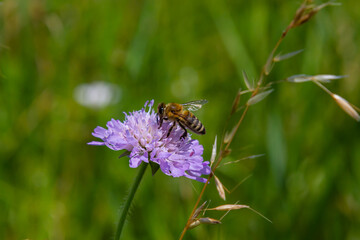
<point>194,105</point>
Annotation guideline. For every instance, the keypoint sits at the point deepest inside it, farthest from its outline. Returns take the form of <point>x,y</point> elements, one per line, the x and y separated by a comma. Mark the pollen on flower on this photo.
<point>140,134</point>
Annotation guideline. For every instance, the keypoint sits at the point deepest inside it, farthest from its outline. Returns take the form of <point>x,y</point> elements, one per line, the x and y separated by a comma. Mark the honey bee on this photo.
<point>180,113</point>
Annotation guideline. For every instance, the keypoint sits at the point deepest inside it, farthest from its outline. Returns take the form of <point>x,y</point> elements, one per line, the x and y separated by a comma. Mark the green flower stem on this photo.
<point>129,199</point>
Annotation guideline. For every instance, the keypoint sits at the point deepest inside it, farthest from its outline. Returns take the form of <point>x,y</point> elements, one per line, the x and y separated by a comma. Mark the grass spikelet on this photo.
<point>346,106</point>
<point>279,57</point>
<point>228,207</point>
<point>307,11</point>
<point>229,136</point>
<point>198,210</point>
<point>206,220</point>
<point>269,64</point>
<point>213,152</point>
<point>324,78</point>
<point>220,188</point>
<point>194,224</point>
<point>258,97</point>
<point>246,80</point>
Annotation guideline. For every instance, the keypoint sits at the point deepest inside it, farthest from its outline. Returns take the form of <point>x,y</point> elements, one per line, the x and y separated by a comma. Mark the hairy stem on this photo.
<point>129,199</point>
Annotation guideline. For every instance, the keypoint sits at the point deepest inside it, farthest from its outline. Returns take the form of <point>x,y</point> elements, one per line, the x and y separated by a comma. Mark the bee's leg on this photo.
<point>159,121</point>
<point>171,128</point>
<point>185,132</point>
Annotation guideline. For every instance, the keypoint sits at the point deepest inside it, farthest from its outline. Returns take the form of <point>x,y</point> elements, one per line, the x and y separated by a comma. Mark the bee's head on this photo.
<point>161,108</point>
<point>161,112</point>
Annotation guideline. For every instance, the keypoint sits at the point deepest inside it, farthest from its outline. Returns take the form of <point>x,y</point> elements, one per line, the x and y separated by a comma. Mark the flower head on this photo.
<point>141,136</point>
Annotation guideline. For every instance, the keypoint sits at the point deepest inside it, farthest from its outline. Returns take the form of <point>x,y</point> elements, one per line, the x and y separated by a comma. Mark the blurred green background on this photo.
<point>54,186</point>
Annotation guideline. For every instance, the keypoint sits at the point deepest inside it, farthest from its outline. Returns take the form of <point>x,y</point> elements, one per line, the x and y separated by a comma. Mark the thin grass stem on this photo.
<point>265,71</point>
<point>323,88</point>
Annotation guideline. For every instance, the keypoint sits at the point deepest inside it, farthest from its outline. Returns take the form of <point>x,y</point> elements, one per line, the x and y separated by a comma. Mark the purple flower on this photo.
<point>140,135</point>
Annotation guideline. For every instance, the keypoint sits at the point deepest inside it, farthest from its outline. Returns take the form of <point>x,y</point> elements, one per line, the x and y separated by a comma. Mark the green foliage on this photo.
<point>54,186</point>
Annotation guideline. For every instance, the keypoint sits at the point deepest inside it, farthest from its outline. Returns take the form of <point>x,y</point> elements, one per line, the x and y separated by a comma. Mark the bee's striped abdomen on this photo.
<point>194,124</point>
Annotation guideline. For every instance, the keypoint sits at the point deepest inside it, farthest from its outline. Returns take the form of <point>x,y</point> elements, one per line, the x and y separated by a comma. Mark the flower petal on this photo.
<point>140,134</point>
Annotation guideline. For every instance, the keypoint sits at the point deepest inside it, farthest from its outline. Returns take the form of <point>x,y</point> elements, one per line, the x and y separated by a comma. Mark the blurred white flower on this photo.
<point>97,95</point>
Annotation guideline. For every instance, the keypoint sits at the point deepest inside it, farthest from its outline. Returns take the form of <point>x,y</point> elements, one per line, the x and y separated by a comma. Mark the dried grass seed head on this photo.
<point>346,106</point>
